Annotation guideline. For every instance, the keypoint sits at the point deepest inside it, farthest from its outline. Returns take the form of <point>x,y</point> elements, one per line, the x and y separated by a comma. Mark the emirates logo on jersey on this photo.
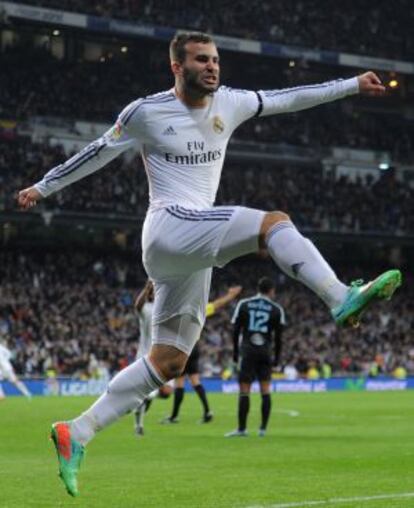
<point>218,125</point>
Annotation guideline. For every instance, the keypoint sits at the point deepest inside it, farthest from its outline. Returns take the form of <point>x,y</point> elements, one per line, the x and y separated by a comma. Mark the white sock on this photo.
<point>125,392</point>
<point>140,415</point>
<point>21,386</point>
<point>153,394</point>
<point>300,259</point>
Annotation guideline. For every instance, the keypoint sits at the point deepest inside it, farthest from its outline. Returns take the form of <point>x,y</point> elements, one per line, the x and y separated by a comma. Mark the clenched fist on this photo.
<point>28,197</point>
<point>370,84</point>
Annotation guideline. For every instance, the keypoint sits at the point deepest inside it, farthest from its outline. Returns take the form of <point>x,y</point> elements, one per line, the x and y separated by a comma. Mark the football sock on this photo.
<point>178,399</point>
<point>266,406</point>
<point>139,416</point>
<point>147,403</point>
<point>21,386</point>
<point>199,389</point>
<point>126,391</point>
<point>244,406</point>
<point>300,259</point>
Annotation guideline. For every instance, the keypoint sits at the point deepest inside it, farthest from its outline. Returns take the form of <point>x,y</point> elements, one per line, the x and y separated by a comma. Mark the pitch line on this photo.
<point>289,412</point>
<point>337,500</point>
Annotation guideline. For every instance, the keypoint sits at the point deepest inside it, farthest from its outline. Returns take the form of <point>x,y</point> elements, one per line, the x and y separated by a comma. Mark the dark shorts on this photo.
<point>191,366</point>
<point>255,365</point>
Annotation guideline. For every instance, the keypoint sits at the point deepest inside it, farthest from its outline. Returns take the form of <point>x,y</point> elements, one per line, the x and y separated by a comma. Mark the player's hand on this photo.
<point>370,84</point>
<point>235,367</point>
<point>149,286</point>
<point>234,291</point>
<point>27,198</point>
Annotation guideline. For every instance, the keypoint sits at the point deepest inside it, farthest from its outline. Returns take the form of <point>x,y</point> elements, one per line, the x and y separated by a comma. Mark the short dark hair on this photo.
<point>265,285</point>
<point>177,45</point>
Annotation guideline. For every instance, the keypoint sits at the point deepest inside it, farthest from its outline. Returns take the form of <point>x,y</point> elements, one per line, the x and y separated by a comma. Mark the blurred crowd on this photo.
<point>382,29</point>
<point>72,314</point>
<point>313,197</point>
<point>98,91</point>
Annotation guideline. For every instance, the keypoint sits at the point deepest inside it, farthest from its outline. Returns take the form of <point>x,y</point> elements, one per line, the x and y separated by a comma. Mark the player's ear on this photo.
<point>176,68</point>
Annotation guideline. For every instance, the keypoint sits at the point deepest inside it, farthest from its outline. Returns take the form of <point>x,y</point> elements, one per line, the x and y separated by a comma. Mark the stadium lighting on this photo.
<point>393,83</point>
<point>383,166</point>
<point>56,32</point>
<point>124,49</point>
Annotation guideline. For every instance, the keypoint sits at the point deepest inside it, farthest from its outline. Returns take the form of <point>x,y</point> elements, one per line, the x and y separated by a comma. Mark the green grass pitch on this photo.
<point>342,447</point>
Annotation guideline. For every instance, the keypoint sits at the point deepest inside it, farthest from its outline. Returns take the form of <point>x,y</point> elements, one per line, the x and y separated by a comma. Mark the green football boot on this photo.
<point>70,454</point>
<point>360,295</point>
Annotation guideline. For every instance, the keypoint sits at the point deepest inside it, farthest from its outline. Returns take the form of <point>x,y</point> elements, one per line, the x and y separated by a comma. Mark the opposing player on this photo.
<point>260,320</point>
<point>144,304</point>
<point>7,372</point>
<point>182,134</point>
<point>192,368</point>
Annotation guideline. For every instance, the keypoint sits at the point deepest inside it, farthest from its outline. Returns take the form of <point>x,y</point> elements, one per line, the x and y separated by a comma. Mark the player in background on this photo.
<point>192,367</point>
<point>7,372</point>
<point>260,321</point>
<point>183,134</point>
<point>144,304</point>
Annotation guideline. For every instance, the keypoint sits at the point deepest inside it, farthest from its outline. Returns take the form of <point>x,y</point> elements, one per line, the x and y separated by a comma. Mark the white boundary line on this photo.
<point>337,500</point>
<point>289,412</point>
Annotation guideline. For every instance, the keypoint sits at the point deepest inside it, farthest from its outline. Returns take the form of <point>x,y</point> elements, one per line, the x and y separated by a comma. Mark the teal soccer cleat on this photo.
<point>70,454</point>
<point>360,295</point>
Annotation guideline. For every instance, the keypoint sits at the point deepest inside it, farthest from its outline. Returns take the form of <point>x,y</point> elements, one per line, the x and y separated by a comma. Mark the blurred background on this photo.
<point>69,269</point>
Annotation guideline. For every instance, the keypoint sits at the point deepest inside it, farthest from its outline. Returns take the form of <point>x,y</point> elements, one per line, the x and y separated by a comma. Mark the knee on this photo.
<point>270,219</point>
<point>168,360</point>
<point>169,368</point>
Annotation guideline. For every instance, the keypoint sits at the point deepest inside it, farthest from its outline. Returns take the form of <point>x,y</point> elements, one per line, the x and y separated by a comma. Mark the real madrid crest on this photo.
<point>218,125</point>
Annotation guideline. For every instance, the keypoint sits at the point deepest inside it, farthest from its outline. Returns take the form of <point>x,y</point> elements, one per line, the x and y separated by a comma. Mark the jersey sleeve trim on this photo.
<point>126,116</point>
<point>260,105</point>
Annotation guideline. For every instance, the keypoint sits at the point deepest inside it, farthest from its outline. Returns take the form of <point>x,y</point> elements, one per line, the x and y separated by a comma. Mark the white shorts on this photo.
<point>180,246</point>
<point>6,371</point>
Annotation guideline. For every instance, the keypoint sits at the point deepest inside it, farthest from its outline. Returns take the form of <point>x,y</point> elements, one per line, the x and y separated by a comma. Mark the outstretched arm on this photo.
<point>90,159</point>
<point>303,97</point>
<point>222,301</point>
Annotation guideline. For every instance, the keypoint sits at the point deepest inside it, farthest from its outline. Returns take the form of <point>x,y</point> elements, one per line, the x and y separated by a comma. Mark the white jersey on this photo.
<point>183,148</point>
<point>6,368</point>
<point>5,354</point>
<point>145,329</point>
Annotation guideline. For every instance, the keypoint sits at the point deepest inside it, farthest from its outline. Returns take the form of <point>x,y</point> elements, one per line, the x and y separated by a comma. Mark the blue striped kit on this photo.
<point>278,227</point>
<point>78,160</point>
<point>152,99</point>
<point>200,215</point>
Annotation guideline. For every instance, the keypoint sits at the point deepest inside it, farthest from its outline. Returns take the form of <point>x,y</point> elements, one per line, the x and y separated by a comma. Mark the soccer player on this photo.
<point>182,134</point>
<point>192,369</point>
<point>7,372</point>
<point>144,304</point>
<point>260,320</point>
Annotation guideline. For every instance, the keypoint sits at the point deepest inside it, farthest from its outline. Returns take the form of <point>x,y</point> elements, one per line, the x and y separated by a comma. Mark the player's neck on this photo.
<point>191,99</point>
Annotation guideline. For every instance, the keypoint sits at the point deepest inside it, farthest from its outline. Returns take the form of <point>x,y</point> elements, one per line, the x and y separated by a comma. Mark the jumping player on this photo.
<point>182,135</point>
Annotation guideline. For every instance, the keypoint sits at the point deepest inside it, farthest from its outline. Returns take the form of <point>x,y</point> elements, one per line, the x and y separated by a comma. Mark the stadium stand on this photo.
<point>314,198</point>
<point>383,31</point>
<point>64,312</point>
<point>48,298</point>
